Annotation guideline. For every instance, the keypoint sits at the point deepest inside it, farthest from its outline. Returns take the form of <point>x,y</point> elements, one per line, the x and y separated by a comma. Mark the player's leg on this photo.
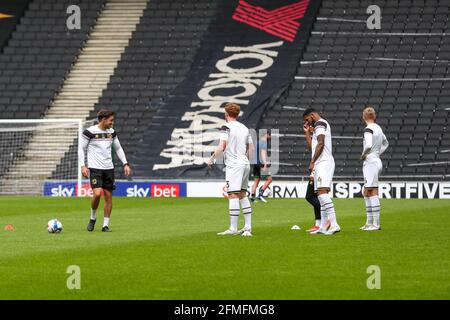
<point>233,177</point>
<point>96,181</point>
<point>317,177</point>
<point>367,183</point>
<point>372,196</point>
<point>257,179</point>
<point>267,181</point>
<point>311,197</point>
<point>108,187</point>
<point>325,172</point>
<point>107,209</point>
<point>254,188</point>
<point>245,204</point>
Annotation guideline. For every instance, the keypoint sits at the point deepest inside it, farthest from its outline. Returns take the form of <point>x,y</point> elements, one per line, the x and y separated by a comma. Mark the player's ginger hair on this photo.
<point>232,109</point>
<point>369,112</point>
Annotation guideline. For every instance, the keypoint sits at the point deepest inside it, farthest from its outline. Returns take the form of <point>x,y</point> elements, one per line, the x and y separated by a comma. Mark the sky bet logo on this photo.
<point>156,190</point>
<point>68,190</point>
<point>123,189</point>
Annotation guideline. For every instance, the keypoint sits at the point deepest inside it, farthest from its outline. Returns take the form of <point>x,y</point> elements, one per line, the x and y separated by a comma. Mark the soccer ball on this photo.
<point>54,226</point>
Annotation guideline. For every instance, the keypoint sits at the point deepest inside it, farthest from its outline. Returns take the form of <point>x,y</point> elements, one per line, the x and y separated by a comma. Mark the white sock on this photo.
<point>369,219</point>
<point>234,213</point>
<point>375,203</point>
<point>327,203</point>
<point>317,223</point>
<point>247,211</point>
<point>105,222</point>
<point>93,214</point>
<point>323,218</point>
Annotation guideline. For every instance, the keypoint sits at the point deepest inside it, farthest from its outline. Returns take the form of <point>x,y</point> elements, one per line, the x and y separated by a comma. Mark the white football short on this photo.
<point>323,175</point>
<point>371,171</point>
<point>237,178</point>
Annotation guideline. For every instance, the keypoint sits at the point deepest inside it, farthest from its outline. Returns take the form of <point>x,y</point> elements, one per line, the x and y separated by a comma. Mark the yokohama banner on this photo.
<point>249,56</point>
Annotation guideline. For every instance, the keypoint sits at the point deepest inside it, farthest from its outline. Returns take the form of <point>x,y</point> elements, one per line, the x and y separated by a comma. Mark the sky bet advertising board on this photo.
<point>123,189</point>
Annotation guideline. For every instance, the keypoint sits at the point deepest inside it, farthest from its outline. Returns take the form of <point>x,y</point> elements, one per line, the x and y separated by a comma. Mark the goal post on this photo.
<point>39,153</point>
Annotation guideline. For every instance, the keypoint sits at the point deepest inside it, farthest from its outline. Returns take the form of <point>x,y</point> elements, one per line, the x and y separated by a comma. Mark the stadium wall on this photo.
<point>280,189</point>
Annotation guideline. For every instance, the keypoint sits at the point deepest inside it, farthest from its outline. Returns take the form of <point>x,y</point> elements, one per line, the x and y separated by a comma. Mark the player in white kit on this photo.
<point>237,146</point>
<point>375,143</point>
<point>322,164</point>
<point>97,143</point>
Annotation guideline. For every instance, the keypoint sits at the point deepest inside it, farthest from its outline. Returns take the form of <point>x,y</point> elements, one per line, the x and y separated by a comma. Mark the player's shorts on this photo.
<point>237,178</point>
<point>323,175</point>
<point>371,171</point>
<point>258,173</point>
<point>102,179</point>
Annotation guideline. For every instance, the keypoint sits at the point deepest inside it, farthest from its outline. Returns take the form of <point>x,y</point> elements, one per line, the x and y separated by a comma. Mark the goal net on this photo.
<point>40,157</point>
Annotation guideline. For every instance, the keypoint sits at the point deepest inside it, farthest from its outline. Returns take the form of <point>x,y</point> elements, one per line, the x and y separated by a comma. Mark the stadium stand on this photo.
<point>36,60</point>
<point>402,70</point>
<point>38,56</point>
<point>156,60</point>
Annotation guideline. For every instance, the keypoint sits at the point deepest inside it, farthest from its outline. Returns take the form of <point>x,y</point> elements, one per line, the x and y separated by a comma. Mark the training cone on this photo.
<point>9,227</point>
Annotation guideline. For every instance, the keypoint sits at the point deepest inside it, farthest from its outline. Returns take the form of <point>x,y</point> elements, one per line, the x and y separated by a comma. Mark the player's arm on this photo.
<point>219,150</point>
<point>121,155</point>
<point>250,147</point>
<point>85,138</point>
<point>319,130</point>
<point>368,142</point>
<point>384,145</point>
<point>224,132</point>
<point>318,151</point>
<point>264,158</point>
<point>306,130</point>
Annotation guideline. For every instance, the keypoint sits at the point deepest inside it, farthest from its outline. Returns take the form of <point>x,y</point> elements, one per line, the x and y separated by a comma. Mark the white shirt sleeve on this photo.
<point>119,151</point>
<point>83,149</point>
<point>320,128</point>
<point>384,145</point>
<point>368,137</point>
<point>319,131</point>
<point>224,133</point>
<point>249,139</point>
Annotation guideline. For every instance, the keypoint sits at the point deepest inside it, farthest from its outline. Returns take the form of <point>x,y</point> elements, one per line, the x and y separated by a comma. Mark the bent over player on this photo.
<point>97,141</point>
<point>237,146</point>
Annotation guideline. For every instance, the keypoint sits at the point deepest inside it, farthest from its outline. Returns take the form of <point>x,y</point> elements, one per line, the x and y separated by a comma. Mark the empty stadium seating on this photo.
<point>375,67</point>
<point>36,60</point>
<point>38,56</point>
<point>157,59</point>
<point>402,70</point>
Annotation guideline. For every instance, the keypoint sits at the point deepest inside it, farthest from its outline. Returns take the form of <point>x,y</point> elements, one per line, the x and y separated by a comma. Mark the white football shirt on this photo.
<point>98,143</point>
<point>375,142</point>
<point>322,127</point>
<point>237,137</point>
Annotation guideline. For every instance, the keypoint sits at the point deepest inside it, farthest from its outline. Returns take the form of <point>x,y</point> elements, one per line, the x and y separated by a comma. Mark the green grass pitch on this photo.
<point>168,249</point>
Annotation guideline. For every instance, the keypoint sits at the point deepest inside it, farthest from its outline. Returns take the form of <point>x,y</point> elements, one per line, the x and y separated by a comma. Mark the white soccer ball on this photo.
<point>54,226</point>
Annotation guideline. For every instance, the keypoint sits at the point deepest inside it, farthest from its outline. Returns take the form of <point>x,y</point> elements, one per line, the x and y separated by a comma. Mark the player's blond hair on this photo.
<point>369,112</point>
<point>232,109</point>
